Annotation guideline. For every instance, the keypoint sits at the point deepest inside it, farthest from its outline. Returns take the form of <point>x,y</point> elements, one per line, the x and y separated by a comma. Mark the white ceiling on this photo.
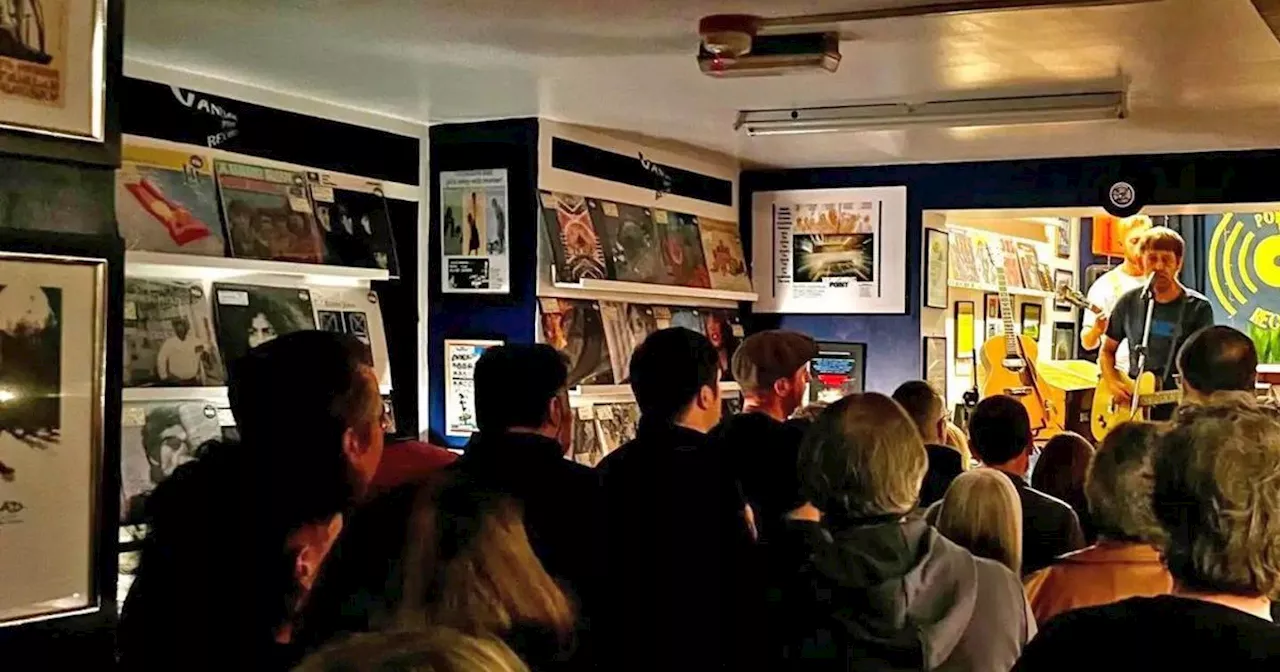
<point>1202,74</point>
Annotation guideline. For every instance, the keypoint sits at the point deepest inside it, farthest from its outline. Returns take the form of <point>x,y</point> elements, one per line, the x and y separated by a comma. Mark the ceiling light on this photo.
<point>936,114</point>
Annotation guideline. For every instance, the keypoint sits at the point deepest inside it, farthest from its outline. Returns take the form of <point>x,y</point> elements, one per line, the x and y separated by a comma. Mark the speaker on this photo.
<point>1078,408</point>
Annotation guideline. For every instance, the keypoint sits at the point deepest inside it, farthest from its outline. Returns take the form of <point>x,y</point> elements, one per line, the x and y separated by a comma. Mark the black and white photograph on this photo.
<point>586,440</point>
<point>354,221</point>
<point>156,440</point>
<point>616,424</point>
<point>250,315</point>
<point>355,311</point>
<point>467,274</point>
<point>169,336</point>
<point>31,366</point>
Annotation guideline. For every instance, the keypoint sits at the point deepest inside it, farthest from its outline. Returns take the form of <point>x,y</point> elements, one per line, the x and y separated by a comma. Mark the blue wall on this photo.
<point>893,341</point>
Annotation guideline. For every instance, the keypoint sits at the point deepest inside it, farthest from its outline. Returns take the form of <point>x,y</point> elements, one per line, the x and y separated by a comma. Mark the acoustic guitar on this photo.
<point>1009,363</point>
<point>1108,411</point>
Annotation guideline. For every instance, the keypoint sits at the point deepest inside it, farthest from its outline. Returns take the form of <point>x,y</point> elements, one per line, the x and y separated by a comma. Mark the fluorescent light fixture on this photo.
<point>1052,109</point>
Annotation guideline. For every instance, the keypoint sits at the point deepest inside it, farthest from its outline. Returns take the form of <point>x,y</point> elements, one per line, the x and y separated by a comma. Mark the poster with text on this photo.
<point>459,385</point>
<point>473,232</point>
<point>831,251</point>
<point>51,54</point>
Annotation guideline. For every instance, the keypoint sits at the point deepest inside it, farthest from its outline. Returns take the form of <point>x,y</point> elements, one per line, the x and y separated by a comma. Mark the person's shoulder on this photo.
<point>1197,298</point>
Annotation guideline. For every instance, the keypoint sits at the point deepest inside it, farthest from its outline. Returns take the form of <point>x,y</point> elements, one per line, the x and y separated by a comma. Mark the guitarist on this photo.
<point>1179,313</point>
<point>1113,284</point>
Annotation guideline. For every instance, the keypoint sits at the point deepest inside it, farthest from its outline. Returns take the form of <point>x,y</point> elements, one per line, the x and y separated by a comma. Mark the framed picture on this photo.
<point>991,315</point>
<point>1062,238</point>
<point>58,58</point>
<point>1064,340</point>
<point>1031,314</point>
<point>965,329</point>
<point>938,254</point>
<point>1063,277</point>
<point>60,429</point>
<point>459,384</point>
<point>935,363</point>
<point>840,369</point>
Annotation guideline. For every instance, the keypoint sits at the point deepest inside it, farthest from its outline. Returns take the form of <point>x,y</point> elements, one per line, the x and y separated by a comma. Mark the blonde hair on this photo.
<point>981,511</point>
<point>956,439</point>
<point>863,458</point>
<point>435,650</point>
<point>469,566</point>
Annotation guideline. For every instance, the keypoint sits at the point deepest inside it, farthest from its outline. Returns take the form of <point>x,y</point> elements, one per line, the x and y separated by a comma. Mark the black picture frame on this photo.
<point>1065,341</point>
<point>991,318</point>
<point>935,285</point>
<point>832,350</point>
<point>965,346</point>
<point>1031,313</point>
<point>1060,276</point>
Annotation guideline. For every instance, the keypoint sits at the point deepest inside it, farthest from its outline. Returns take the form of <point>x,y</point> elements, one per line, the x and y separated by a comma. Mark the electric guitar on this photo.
<point>1009,363</point>
<point>1108,411</point>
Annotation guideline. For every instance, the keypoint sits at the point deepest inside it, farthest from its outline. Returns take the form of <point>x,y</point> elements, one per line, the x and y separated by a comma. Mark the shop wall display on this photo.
<point>601,429</point>
<point>268,214</point>
<point>248,316</point>
<point>936,271</point>
<point>169,336</point>
<point>354,219</point>
<point>576,329</point>
<point>167,201</point>
<point>830,251</point>
<point>157,439</point>
<point>631,241</point>
<point>460,399</point>
<point>722,247</point>
<point>682,249</point>
<point>839,370</point>
<point>358,313</point>
<point>574,241</point>
<point>474,231</point>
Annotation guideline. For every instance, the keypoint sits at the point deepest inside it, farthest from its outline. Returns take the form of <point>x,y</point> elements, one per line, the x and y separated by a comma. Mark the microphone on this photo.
<point>1147,289</point>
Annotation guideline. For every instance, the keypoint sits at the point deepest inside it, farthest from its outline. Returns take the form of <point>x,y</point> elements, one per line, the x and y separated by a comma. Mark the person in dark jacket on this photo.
<point>761,442</point>
<point>883,590</point>
<point>677,522</point>
<point>928,411</point>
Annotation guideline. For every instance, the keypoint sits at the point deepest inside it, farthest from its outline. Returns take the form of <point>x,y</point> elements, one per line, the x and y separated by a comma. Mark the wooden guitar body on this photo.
<point>1014,376</point>
<point>1108,412</point>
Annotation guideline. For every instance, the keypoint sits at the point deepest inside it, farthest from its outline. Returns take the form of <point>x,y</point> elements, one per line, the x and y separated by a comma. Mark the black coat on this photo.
<point>1049,527</point>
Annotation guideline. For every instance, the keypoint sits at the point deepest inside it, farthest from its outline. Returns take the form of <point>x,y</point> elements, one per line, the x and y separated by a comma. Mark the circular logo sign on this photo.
<point>1122,195</point>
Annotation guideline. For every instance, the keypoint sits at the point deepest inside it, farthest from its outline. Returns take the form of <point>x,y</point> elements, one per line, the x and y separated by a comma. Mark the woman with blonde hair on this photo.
<point>437,650</point>
<point>981,512</point>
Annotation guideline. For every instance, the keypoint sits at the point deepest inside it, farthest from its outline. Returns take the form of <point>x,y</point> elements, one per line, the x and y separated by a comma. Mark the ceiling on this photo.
<point>1201,74</point>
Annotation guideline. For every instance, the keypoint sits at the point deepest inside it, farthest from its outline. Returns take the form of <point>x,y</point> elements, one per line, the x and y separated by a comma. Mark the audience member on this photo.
<point>883,590</point>
<point>408,461</point>
<point>772,369</point>
<point>437,650</point>
<point>809,412</point>
<point>677,521</point>
<point>1215,361</point>
<point>956,438</point>
<point>926,408</point>
<point>1000,434</point>
<point>1216,496</point>
<point>1124,563</point>
<point>981,512</point>
<point>1059,472</point>
<point>237,537</point>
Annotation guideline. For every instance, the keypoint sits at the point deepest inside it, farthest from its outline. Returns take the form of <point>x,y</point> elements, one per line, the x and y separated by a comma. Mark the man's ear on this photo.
<point>781,387</point>
<point>353,446</point>
<point>707,397</point>
<point>557,409</point>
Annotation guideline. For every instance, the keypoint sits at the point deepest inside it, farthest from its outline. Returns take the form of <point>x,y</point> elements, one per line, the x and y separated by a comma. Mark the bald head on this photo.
<point>1218,359</point>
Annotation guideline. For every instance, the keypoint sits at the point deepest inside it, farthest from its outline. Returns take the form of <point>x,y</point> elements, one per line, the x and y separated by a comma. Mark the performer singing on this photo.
<point>1179,312</point>
<point>1113,284</point>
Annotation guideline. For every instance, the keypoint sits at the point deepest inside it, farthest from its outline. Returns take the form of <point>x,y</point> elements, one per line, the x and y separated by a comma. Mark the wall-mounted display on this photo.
<point>167,201</point>
<point>833,251</point>
<point>156,440</point>
<point>576,329</point>
<point>248,315</point>
<point>53,314</point>
<point>682,249</point>
<point>965,316</point>
<point>1064,340</point>
<point>355,311</point>
<point>631,242</point>
<point>1063,278</point>
<point>1031,316</point>
<point>936,273</point>
<point>169,335</point>
<point>935,363</point>
<point>840,369</point>
<point>460,358</point>
<point>991,315</point>
<point>473,232</point>
<point>268,214</point>
<point>575,246</point>
<point>722,247</point>
<point>53,65</point>
<point>353,218</point>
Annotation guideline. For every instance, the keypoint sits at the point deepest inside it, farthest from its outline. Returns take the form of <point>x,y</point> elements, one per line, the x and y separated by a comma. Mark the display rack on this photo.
<point>992,289</point>
<point>161,265</point>
<point>596,287</point>
<point>590,395</point>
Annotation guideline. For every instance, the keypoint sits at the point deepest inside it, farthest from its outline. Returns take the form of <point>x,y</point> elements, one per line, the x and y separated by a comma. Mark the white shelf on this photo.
<point>192,267</point>
<point>637,291</point>
<point>588,395</point>
<point>214,395</point>
<point>990,289</point>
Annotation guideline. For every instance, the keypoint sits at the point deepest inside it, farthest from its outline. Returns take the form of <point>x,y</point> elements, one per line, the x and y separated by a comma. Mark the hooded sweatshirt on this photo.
<point>897,596</point>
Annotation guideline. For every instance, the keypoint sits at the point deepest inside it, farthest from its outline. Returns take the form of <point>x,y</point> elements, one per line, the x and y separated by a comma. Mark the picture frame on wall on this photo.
<point>936,271</point>
<point>935,363</point>
<point>1064,341</point>
<point>964,324</point>
<point>840,369</point>
<point>1062,238</point>
<point>1063,278</point>
<point>1032,313</point>
<point>460,356</point>
<point>991,315</point>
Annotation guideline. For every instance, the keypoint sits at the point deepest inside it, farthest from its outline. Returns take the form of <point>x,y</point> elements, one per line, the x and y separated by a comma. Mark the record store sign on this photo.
<point>1242,258</point>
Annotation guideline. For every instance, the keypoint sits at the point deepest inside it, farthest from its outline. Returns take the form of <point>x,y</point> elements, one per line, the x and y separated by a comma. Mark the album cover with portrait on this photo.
<point>724,329</point>
<point>626,325</point>
<point>682,249</point>
<point>355,311</point>
<point>676,316</point>
<point>576,329</point>
<point>167,201</point>
<point>726,263</point>
<point>157,439</point>
<point>630,241</point>
<point>575,245</point>
<point>354,221</point>
<point>269,214</point>
<point>169,335</point>
<point>247,316</point>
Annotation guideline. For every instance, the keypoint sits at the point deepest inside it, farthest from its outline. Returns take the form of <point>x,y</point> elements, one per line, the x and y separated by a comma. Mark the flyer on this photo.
<point>460,358</point>
<point>830,251</point>
<point>474,232</point>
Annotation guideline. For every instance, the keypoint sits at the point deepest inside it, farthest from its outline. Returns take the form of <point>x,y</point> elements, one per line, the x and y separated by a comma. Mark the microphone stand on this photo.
<point>1149,295</point>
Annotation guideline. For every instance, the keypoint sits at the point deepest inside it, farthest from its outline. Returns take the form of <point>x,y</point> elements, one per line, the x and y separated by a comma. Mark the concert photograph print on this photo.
<point>820,257</point>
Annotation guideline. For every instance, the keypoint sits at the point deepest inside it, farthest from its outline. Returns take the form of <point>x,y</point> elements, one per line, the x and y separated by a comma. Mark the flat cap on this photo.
<point>769,356</point>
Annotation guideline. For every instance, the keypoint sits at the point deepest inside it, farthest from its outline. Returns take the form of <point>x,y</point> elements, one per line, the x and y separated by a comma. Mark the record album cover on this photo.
<point>250,315</point>
<point>1012,266</point>
<point>355,311</point>
<point>156,440</point>
<point>355,224</point>
<point>668,317</point>
<point>630,241</point>
<point>724,329</point>
<point>986,258</point>
<point>722,245</point>
<point>574,243</point>
<point>616,425</point>
<point>1029,264</point>
<point>576,329</point>
<point>269,214</point>
<point>626,325</point>
<point>963,261</point>
<point>167,201</point>
<point>169,335</point>
<point>586,439</point>
<point>682,249</point>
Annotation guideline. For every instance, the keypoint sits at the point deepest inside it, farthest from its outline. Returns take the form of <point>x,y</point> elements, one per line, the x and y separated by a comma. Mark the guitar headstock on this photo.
<point>1075,298</point>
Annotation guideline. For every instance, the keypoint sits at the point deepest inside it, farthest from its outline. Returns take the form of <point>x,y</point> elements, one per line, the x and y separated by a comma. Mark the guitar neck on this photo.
<point>1160,398</point>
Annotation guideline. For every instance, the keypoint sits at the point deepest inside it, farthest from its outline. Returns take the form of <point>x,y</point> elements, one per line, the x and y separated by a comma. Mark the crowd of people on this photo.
<point>854,536</point>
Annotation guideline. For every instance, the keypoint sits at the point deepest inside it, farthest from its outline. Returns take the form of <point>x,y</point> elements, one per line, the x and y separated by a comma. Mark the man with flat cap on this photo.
<point>772,367</point>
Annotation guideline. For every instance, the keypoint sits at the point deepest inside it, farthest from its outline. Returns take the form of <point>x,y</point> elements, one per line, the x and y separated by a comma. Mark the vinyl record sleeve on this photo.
<point>682,249</point>
<point>626,325</point>
<point>1029,264</point>
<point>352,216</point>
<point>575,244</point>
<point>724,329</point>
<point>688,318</point>
<point>586,438</point>
<point>249,315</point>
<point>167,201</point>
<point>355,311</point>
<point>576,329</point>
<point>630,241</point>
<point>726,263</point>
<point>269,214</point>
<point>169,335</point>
<point>156,439</point>
<point>963,262</point>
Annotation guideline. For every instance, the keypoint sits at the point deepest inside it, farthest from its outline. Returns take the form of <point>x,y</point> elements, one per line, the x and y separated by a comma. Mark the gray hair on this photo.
<point>983,513</point>
<point>1119,482</point>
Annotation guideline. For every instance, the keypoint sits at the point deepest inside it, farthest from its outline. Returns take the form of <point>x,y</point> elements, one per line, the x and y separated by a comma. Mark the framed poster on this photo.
<point>1062,238</point>
<point>830,251</point>
<point>473,232</point>
<point>937,255</point>
<point>460,358</point>
<point>935,363</point>
<point>56,58</point>
<point>965,329</point>
<point>840,369</point>
<point>59,428</point>
<point>1031,314</point>
<point>1062,278</point>
<point>1064,340</point>
<point>991,315</point>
